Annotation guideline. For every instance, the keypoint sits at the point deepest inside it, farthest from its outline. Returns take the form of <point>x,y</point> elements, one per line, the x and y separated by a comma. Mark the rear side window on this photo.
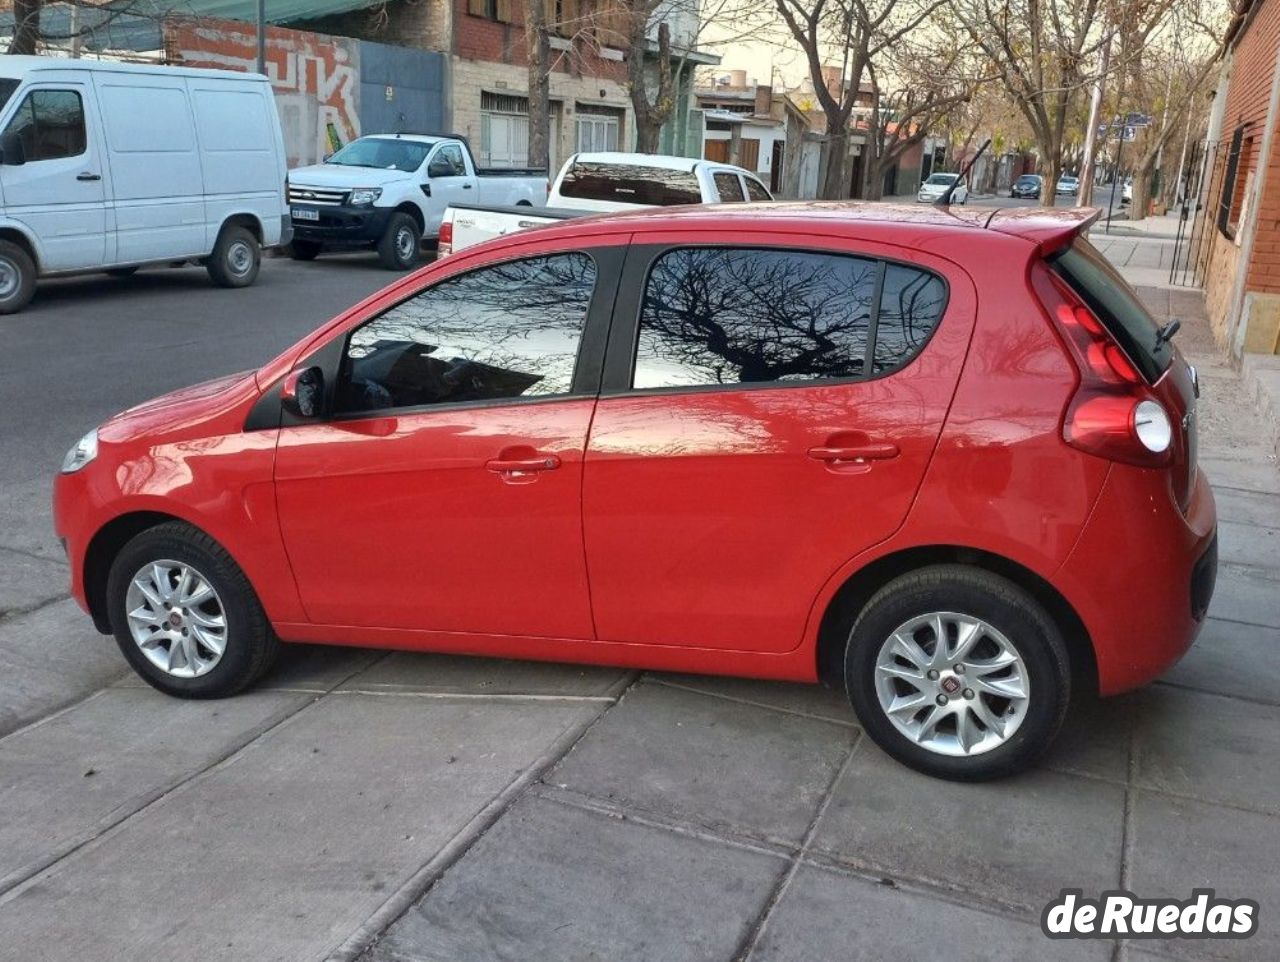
<point>755,189</point>
<point>713,316</point>
<point>728,187</point>
<point>1114,303</point>
<point>631,184</point>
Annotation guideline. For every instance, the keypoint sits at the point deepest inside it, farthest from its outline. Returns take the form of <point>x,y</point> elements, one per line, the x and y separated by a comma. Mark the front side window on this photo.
<point>506,331</point>
<point>728,187</point>
<point>756,190</point>
<point>451,155</point>
<point>50,125</point>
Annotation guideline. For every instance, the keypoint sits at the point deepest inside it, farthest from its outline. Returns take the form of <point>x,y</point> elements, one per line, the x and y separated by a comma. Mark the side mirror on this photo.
<point>440,168</point>
<point>12,153</point>
<point>302,393</point>
<point>325,158</point>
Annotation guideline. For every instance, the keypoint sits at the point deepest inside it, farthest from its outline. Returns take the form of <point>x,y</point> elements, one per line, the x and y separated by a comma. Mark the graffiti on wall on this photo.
<point>316,78</point>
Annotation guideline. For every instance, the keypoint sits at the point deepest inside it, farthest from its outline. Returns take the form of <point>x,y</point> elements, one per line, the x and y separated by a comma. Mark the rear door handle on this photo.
<point>855,453</point>
<point>88,176</point>
<point>542,462</point>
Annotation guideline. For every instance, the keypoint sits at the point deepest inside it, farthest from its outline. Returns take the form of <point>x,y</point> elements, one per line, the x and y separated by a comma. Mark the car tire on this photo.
<point>399,247</point>
<point>174,596</point>
<point>304,250</point>
<point>122,271</point>
<point>17,278</point>
<point>983,730</point>
<point>236,257</point>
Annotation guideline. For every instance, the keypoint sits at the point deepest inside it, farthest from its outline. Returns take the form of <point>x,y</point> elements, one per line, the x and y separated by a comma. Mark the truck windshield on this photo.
<point>7,87</point>
<point>384,153</point>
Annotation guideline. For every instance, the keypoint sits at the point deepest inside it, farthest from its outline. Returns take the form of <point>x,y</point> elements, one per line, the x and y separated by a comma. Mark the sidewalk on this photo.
<point>425,808</point>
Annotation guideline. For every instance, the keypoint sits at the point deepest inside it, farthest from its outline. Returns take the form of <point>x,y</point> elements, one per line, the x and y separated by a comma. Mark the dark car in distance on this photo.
<point>1028,185</point>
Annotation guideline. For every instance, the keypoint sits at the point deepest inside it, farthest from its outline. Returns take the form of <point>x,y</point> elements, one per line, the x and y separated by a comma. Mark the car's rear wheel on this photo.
<point>185,616</point>
<point>398,249</point>
<point>958,673</point>
<point>17,278</point>
<point>236,257</point>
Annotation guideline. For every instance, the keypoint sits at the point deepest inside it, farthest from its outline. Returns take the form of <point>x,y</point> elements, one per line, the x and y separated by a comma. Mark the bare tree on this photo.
<point>538,37</point>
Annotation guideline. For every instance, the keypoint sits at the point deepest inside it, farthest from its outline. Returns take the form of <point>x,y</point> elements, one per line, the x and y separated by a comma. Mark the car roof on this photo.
<point>15,67</point>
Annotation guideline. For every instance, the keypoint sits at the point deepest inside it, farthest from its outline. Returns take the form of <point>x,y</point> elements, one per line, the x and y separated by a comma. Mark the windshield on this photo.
<point>1028,179</point>
<point>7,87</point>
<point>942,179</point>
<point>384,153</point>
<point>1114,303</point>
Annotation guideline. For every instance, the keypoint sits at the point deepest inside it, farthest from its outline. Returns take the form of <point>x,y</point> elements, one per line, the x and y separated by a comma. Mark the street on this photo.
<point>395,806</point>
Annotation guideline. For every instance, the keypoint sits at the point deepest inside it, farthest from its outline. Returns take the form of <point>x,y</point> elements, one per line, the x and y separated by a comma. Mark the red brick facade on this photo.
<point>494,31</point>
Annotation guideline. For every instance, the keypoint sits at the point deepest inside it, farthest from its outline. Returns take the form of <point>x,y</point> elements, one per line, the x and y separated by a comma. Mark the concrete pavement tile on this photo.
<point>802,699</point>
<point>27,581</point>
<point>1247,507</point>
<point>49,658</point>
<point>74,775</point>
<point>286,849</point>
<point>1095,737</point>
<point>1209,747</point>
<point>826,915</point>
<point>1179,845</point>
<point>1248,474</point>
<point>552,881</point>
<point>1250,544</point>
<point>706,760</point>
<point>318,667</point>
<point>1230,658</point>
<point>424,671</point>
<point>1245,593</point>
<point>1017,841</point>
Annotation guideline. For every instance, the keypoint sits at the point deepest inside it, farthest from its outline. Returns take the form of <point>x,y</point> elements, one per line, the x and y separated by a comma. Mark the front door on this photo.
<point>450,184</point>
<point>444,492</point>
<point>772,417</point>
<point>58,191</point>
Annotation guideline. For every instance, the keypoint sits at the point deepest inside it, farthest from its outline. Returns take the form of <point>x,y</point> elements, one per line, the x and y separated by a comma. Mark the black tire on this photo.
<point>1000,604</point>
<point>123,271</point>
<point>395,251</point>
<point>250,644</point>
<point>236,257</point>
<point>304,250</point>
<point>17,278</point>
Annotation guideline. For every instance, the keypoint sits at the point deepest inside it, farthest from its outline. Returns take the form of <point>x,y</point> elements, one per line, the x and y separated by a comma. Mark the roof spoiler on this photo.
<point>1051,229</point>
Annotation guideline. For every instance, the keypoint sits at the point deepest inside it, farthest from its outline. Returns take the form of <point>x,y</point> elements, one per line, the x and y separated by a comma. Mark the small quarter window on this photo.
<point>911,302</point>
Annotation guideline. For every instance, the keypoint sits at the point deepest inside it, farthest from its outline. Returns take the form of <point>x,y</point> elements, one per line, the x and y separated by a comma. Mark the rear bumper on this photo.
<point>343,226</point>
<point>1142,575</point>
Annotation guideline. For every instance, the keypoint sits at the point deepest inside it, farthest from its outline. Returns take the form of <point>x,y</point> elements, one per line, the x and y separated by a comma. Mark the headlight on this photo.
<point>364,196</point>
<point>84,451</point>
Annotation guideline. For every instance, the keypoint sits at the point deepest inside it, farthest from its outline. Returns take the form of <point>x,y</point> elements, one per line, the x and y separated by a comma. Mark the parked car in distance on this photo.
<point>936,185</point>
<point>389,192</point>
<point>1027,185</point>
<point>944,460</point>
<point>593,183</point>
<point>1067,184</point>
<point>1126,193</point>
<point>112,167</point>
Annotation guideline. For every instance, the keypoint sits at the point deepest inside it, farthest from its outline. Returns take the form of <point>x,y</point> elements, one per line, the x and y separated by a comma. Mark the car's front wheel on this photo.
<point>185,616</point>
<point>958,673</point>
<point>399,247</point>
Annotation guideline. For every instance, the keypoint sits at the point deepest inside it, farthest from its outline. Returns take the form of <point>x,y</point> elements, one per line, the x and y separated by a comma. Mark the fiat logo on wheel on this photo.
<point>950,684</point>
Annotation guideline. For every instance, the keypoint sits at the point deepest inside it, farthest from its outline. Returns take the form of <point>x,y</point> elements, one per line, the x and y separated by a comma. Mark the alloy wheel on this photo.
<point>176,618</point>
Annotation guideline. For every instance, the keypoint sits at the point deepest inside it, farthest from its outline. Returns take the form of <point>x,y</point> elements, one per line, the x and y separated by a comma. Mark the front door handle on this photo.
<point>466,186</point>
<point>541,462</point>
<point>88,176</point>
<point>855,453</point>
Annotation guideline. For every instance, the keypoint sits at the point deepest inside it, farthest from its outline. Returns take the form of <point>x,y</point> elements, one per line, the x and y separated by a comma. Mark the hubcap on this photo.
<point>176,618</point>
<point>9,277</point>
<point>240,257</point>
<point>952,684</point>
<point>405,240</point>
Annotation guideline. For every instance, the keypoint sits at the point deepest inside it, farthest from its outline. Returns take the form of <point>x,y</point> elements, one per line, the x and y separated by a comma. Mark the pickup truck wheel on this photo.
<point>236,257</point>
<point>304,250</point>
<point>17,278</point>
<point>398,248</point>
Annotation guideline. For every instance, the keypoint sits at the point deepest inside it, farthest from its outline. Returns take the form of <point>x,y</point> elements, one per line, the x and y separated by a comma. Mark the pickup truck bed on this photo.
<point>466,225</point>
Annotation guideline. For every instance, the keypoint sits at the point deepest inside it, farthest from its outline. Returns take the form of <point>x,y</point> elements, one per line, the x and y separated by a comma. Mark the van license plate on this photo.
<point>301,213</point>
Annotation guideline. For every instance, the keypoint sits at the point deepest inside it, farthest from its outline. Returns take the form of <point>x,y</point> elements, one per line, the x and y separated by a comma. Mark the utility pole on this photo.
<point>1085,195</point>
<point>262,36</point>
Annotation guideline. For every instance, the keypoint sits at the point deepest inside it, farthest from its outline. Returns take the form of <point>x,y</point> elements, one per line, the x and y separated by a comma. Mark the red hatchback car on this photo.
<point>943,459</point>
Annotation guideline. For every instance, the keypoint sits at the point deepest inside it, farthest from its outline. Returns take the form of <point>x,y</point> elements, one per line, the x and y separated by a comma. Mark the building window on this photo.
<point>504,130</point>
<point>597,130</point>
<point>500,10</point>
<point>1232,197</point>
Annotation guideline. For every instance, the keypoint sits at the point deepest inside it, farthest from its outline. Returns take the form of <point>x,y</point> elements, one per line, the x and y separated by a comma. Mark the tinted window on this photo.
<point>1112,300</point>
<point>721,316</point>
<point>631,184</point>
<point>911,303</point>
<point>511,330</point>
<point>728,187</point>
<point>50,124</point>
<point>755,189</point>
<point>451,154</point>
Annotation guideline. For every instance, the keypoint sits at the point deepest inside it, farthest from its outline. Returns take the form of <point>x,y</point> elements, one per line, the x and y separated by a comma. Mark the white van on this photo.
<point>111,167</point>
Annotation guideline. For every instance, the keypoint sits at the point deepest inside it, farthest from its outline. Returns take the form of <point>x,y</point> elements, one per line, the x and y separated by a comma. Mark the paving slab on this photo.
<point>1015,842</point>
<point>1247,507</point>
<point>1246,593</point>
<point>315,668</point>
<point>1179,845</point>
<point>1231,658</point>
<point>826,915</point>
<point>815,700</point>
<point>426,672</point>
<point>708,761</point>
<point>288,847</point>
<point>1257,545</point>
<point>1209,747</point>
<point>28,580</point>
<point>71,777</point>
<point>1248,474</point>
<point>554,881</point>
<point>1095,738</point>
<point>50,658</point>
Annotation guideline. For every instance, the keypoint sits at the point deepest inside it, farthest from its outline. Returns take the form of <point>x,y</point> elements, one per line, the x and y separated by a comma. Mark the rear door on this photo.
<point>768,413</point>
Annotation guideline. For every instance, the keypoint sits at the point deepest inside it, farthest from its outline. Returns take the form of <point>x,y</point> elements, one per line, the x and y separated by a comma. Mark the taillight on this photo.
<point>1113,413</point>
<point>445,246</point>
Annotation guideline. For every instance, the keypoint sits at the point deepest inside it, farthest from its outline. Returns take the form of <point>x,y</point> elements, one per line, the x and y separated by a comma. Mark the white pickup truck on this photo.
<point>602,182</point>
<point>389,192</point>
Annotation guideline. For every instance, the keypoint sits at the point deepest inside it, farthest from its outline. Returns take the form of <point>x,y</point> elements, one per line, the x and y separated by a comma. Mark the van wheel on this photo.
<point>398,248</point>
<point>303,250</point>
<point>17,278</point>
<point>958,673</point>
<point>236,257</point>
<point>185,616</point>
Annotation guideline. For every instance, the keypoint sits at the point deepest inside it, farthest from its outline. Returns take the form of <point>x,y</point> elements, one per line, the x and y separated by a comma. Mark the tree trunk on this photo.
<point>650,116</point>
<point>26,27</point>
<point>1050,170</point>
<point>1140,198</point>
<point>835,182</point>
<point>539,85</point>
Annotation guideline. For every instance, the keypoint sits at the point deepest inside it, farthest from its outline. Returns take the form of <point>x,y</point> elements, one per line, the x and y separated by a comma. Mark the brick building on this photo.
<point>1240,216</point>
